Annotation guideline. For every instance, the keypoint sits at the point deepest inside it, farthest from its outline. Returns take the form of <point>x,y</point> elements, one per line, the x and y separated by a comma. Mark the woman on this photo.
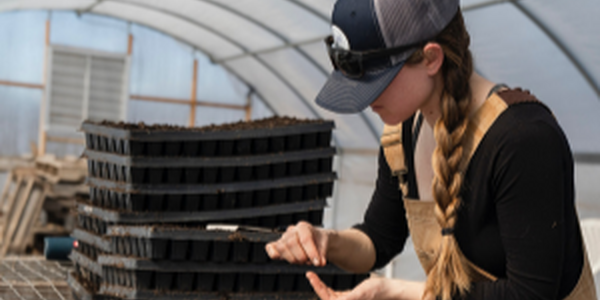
<point>490,165</point>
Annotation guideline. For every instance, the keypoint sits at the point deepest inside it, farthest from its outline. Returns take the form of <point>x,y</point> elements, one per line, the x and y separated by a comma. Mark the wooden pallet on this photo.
<point>22,208</point>
<point>67,170</point>
<point>50,186</point>
<point>17,187</point>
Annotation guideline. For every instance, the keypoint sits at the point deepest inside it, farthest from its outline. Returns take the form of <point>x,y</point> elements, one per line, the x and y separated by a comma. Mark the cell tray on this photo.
<point>92,239</point>
<point>86,262</point>
<point>94,219</point>
<point>91,224</point>
<point>91,280</point>
<point>81,290</point>
<point>190,170</point>
<point>182,189</point>
<point>209,277</point>
<point>177,244</point>
<point>131,293</point>
<point>139,202</point>
<point>284,214</point>
<point>194,142</point>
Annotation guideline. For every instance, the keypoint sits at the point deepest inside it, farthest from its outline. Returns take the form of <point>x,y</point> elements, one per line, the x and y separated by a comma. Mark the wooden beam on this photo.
<point>130,44</point>
<point>12,222</point>
<point>194,94</point>
<point>22,84</point>
<point>249,106</point>
<point>187,102</point>
<point>57,139</point>
<point>42,130</point>
<point>48,32</point>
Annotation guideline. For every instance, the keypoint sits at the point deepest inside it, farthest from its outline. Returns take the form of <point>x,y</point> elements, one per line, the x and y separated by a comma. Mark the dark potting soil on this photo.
<point>267,123</point>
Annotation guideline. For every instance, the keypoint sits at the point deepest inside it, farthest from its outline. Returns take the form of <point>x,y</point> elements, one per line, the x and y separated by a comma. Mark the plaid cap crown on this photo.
<point>366,25</point>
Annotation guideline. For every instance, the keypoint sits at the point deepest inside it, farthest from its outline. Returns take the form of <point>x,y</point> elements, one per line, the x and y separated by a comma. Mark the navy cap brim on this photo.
<point>344,95</point>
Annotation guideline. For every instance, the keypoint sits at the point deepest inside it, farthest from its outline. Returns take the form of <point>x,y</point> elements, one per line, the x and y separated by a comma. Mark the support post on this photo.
<point>42,127</point>
<point>130,44</point>
<point>193,95</point>
<point>249,105</point>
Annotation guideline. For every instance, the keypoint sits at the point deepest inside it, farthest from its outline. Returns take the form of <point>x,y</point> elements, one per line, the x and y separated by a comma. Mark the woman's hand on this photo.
<point>378,288</point>
<point>301,244</point>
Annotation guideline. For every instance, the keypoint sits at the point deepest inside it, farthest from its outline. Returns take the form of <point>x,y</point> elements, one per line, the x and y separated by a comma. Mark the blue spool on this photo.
<point>58,248</point>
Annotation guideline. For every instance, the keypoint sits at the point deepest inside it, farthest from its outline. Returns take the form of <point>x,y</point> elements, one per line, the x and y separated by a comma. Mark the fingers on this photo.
<point>272,251</point>
<point>299,245</point>
<point>323,291</point>
<point>307,240</point>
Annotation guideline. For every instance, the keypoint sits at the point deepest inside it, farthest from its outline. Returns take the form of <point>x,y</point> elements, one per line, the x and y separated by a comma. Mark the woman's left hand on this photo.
<point>379,288</point>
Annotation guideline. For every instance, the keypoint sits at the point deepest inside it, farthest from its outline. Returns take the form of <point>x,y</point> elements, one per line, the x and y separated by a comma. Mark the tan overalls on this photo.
<point>424,228</point>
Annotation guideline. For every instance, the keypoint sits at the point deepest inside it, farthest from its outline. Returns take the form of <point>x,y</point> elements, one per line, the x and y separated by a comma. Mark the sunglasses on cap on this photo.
<point>351,63</point>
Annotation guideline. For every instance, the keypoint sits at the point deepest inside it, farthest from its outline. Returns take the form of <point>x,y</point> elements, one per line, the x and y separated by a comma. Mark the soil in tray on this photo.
<point>266,123</point>
<point>207,202</point>
<point>223,282</point>
<point>212,147</point>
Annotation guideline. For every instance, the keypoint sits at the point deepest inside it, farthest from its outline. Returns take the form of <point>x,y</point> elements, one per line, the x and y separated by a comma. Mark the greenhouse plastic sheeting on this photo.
<point>275,46</point>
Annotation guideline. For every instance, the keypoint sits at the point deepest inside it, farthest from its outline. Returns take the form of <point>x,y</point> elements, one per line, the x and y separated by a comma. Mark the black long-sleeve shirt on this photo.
<point>517,219</point>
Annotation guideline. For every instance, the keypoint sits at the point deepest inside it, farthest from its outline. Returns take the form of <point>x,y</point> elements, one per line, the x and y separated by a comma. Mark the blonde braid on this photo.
<point>450,273</point>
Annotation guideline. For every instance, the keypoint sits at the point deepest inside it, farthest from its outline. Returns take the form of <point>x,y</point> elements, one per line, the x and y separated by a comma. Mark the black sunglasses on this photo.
<point>351,63</point>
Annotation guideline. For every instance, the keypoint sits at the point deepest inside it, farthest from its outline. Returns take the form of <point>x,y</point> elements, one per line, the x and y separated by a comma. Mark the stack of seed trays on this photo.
<point>270,173</point>
<point>168,262</point>
<point>86,278</point>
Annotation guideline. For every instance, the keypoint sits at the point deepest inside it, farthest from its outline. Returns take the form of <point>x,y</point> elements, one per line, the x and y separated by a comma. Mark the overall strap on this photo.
<point>391,141</point>
<point>395,136</point>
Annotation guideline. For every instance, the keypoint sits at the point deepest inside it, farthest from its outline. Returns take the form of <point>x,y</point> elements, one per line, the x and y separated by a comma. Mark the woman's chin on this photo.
<point>390,120</point>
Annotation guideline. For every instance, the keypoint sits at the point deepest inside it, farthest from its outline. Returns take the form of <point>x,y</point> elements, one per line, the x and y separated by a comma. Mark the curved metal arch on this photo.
<point>310,9</point>
<point>555,40</point>
<point>296,47</point>
<point>562,46</point>
<point>186,19</point>
<point>362,115</point>
<point>173,14</point>
<point>184,41</point>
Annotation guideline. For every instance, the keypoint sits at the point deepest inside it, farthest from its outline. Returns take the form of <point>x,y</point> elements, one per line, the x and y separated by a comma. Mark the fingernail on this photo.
<point>269,250</point>
<point>316,261</point>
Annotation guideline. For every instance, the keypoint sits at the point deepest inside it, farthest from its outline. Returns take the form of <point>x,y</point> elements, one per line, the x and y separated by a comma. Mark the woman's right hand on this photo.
<point>301,244</point>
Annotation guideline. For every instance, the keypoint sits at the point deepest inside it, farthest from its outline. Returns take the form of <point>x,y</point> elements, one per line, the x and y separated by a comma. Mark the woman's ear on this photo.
<point>433,58</point>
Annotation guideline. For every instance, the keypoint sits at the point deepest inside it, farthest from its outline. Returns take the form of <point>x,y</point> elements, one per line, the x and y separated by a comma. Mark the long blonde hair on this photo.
<point>449,275</point>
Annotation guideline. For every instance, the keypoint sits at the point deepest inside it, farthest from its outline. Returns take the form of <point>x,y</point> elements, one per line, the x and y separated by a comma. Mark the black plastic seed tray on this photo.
<point>90,250</point>
<point>177,244</point>
<point>91,223</point>
<point>86,262</point>
<point>92,239</point>
<point>131,293</point>
<point>208,277</point>
<point>272,216</point>
<point>154,141</point>
<point>91,218</point>
<point>179,189</point>
<point>211,170</point>
<point>91,280</point>
<point>82,291</point>
<point>140,202</point>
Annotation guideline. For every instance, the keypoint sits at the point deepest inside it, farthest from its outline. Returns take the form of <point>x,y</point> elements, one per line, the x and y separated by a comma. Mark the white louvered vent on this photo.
<point>84,84</point>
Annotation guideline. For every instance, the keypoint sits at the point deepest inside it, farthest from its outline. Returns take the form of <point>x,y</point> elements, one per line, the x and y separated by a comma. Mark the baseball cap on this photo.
<point>371,40</point>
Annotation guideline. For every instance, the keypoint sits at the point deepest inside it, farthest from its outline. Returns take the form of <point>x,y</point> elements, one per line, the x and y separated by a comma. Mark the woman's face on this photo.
<point>413,88</point>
